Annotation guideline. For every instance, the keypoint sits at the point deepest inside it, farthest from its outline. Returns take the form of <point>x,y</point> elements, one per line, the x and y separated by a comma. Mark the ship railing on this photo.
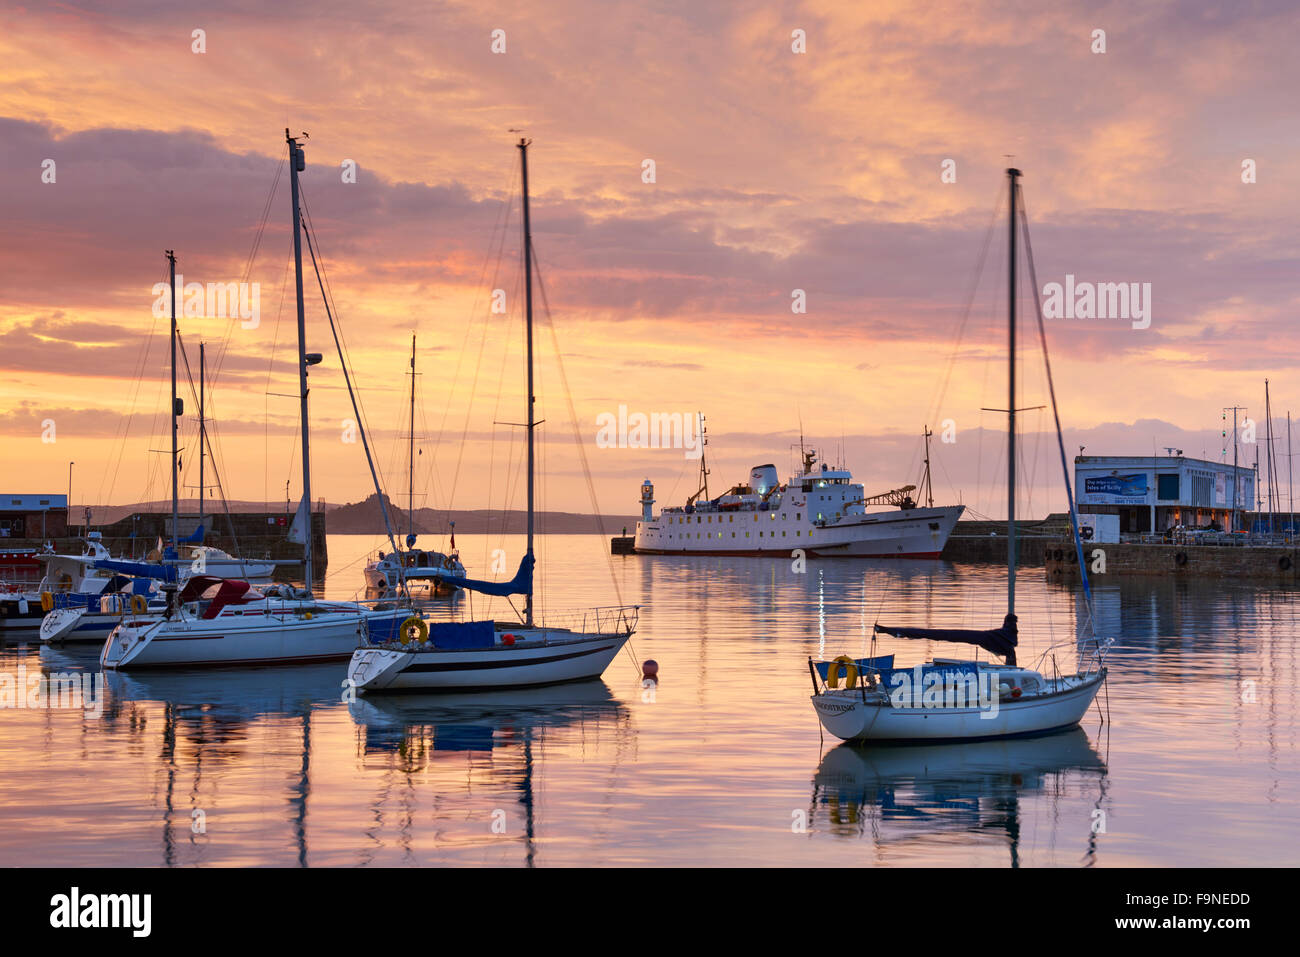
<point>604,620</point>
<point>1089,654</point>
<point>1223,539</point>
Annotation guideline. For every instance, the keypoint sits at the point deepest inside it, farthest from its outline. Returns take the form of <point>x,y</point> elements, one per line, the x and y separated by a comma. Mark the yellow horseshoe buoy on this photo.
<point>850,672</point>
<point>47,601</point>
<point>138,605</point>
<point>419,625</point>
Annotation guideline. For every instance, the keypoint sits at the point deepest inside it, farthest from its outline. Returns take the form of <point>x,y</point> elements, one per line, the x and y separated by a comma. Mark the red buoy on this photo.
<point>649,668</point>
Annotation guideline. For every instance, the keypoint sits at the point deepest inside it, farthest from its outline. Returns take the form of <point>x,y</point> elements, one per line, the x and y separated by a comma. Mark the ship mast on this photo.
<point>929,488</point>
<point>528,325</point>
<point>704,468</point>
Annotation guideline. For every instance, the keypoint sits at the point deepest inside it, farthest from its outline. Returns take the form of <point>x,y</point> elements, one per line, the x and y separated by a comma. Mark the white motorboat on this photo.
<point>966,700</point>
<point>69,581</point>
<point>94,623</point>
<point>488,655</point>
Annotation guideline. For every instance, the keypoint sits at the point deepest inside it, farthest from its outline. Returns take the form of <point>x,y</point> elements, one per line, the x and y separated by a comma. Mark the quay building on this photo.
<point>1152,494</point>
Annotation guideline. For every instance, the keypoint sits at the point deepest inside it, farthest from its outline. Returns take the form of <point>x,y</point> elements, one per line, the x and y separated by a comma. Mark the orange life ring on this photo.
<point>850,672</point>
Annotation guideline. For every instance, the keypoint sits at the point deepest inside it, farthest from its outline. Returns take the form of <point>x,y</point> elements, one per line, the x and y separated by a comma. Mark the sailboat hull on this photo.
<point>854,717</point>
<point>578,658</point>
<point>261,640</point>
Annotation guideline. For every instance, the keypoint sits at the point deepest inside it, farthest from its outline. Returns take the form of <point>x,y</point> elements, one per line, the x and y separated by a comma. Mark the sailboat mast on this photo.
<point>297,163</point>
<point>528,324</point>
<point>1012,175</point>
<point>410,474</point>
<point>202,429</point>
<point>171,265</point>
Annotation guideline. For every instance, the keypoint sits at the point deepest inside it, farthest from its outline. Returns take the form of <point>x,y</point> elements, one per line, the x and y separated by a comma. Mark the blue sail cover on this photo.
<point>166,573</point>
<point>1000,641</point>
<point>521,584</point>
<point>196,538</point>
<point>878,663</point>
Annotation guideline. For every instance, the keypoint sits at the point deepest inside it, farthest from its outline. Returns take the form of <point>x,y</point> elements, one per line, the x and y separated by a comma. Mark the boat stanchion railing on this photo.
<point>606,619</point>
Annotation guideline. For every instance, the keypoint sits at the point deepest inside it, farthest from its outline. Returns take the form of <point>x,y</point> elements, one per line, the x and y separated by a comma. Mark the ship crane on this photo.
<point>898,496</point>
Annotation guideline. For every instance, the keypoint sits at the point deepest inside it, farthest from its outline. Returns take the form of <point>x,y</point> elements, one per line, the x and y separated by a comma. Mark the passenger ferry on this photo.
<point>821,511</point>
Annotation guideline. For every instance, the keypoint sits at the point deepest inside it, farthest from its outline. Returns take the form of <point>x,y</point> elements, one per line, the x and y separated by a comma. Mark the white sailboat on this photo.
<point>950,699</point>
<point>488,655</point>
<point>220,622</point>
<point>386,573</point>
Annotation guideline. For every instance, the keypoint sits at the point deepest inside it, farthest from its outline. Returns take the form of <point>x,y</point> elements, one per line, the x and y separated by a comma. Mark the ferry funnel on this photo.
<point>762,478</point>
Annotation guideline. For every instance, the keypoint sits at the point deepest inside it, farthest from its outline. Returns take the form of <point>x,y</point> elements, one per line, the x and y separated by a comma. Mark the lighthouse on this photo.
<point>647,500</point>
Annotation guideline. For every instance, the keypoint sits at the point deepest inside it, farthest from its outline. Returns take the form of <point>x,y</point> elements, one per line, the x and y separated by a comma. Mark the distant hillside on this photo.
<point>367,518</point>
<point>108,514</point>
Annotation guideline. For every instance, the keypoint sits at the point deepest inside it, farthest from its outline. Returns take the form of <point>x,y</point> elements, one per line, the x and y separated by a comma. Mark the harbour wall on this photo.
<point>256,536</point>
<point>1263,563</point>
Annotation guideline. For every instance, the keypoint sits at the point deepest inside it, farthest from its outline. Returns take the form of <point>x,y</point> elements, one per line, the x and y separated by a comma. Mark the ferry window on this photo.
<point>798,516</point>
<point>783,516</point>
<point>783,534</point>
<point>747,534</point>
<point>731,518</point>
<point>733,534</point>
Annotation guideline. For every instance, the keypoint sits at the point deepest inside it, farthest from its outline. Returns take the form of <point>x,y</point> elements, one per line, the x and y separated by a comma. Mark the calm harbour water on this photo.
<point>721,765</point>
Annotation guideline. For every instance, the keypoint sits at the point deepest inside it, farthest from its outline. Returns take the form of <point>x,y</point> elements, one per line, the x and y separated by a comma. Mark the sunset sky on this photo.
<point>774,171</point>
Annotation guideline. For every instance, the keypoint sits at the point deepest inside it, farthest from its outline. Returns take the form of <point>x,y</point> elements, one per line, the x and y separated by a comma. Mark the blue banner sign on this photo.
<point>1119,486</point>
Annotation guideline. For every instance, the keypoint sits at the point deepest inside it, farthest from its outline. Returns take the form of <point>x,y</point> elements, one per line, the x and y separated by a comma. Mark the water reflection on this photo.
<point>920,793</point>
<point>491,742</point>
<point>1203,702</point>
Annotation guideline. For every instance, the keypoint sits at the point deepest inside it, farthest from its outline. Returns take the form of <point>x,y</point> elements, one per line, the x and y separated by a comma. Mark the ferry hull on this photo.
<point>913,533</point>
